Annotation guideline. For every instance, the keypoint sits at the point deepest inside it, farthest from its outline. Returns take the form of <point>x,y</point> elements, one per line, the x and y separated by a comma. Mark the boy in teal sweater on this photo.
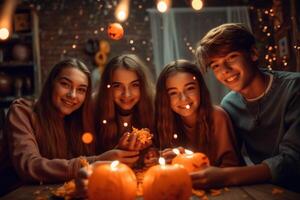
<point>264,107</point>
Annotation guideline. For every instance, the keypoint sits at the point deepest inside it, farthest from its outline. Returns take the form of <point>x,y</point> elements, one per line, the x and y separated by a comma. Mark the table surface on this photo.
<point>251,192</point>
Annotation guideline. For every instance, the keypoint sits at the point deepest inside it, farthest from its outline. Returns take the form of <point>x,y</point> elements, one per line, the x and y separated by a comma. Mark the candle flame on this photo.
<point>175,136</point>
<point>189,152</point>
<point>114,164</point>
<point>176,151</point>
<point>104,121</point>
<point>162,161</point>
<point>125,124</point>
<point>108,86</point>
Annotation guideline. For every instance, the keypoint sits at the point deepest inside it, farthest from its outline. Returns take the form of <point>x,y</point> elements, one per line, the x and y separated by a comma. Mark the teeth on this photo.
<point>231,78</point>
<point>68,103</point>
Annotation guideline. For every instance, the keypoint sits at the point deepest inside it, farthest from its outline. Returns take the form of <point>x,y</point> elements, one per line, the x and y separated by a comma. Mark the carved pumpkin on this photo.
<point>192,162</point>
<point>115,31</point>
<point>167,182</point>
<point>112,181</point>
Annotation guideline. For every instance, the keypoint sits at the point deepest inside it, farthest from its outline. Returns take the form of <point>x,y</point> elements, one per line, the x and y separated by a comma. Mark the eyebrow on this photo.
<point>70,81</point>
<point>186,85</point>
<point>134,81</point>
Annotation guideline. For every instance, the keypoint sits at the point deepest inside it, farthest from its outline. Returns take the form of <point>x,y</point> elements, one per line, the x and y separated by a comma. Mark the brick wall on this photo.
<point>68,22</point>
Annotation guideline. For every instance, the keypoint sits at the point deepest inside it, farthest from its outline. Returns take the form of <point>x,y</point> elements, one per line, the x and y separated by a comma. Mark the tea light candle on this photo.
<point>167,182</point>
<point>112,181</point>
<point>191,161</point>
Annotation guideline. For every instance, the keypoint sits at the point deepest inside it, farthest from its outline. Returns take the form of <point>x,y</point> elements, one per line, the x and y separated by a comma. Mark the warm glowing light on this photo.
<point>186,151</point>
<point>122,10</point>
<point>125,124</point>
<point>197,4</point>
<point>4,33</point>
<point>104,121</point>
<point>74,46</point>
<point>162,161</point>
<point>114,165</point>
<point>175,136</point>
<point>163,5</point>
<point>188,107</point>
<point>176,151</point>
<point>121,15</point>
<point>194,77</point>
<point>108,86</point>
<point>87,138</point>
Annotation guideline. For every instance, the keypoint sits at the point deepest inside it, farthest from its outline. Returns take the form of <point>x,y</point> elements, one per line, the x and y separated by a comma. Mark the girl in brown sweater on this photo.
<point>45,136</point>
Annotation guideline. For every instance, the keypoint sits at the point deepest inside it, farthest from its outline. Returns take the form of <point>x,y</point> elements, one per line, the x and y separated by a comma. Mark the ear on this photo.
<point>254,53</point>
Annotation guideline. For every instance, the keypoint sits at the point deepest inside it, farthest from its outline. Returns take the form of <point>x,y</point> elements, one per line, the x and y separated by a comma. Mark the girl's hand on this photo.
<point>81,181</point>
<point>129,141</point>
<point>168,154</point>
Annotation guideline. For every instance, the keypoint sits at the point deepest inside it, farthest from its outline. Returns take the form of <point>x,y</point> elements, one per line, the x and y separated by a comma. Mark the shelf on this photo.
<point>20,59</point>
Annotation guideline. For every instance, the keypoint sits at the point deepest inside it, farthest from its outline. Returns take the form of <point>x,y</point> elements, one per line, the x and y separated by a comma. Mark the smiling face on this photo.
<point>126,89</point>
<point>184,94</point>
<point>69,90</point>
<point>235,70</point>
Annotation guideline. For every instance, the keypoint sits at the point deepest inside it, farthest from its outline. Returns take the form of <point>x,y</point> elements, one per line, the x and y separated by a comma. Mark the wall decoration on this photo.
<point>21,22</point>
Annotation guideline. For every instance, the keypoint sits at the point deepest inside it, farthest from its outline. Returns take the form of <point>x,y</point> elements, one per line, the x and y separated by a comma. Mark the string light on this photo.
<point>197,4</point>
<point>122,10</point>
<point>163,5</point>
<point>4,33</point>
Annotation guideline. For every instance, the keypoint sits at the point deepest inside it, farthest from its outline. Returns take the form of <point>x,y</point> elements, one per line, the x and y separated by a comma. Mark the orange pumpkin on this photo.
<point>112,181</point>
<point>192,162</point>
<point>115,31</point>
<point>167,182</point>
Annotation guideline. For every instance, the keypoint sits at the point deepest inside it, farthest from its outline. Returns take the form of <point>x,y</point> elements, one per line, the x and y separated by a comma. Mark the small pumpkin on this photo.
<point>192,162</point>
<point>112,181</point>
<point>167,182</point>
<point>115,31</point>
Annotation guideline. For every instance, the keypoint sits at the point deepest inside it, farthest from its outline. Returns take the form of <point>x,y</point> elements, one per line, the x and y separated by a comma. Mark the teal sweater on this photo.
<point>270,127</point>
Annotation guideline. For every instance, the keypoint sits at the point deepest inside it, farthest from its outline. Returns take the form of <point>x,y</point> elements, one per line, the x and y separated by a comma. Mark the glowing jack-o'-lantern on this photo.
<point>112,181</point>
<point>115,31</point>
<point>191,161</point>
<point>167,182</point>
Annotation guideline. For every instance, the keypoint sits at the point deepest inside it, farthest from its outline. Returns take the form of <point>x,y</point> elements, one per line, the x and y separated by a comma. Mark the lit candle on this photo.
<point>167,182</point>
<point>191,161</point>
<point>112,181</point>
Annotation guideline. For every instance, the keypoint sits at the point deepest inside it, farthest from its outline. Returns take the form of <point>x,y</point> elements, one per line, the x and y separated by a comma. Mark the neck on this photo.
<point>258,86</point>
<point>190,121</point>
<point>126,118</point>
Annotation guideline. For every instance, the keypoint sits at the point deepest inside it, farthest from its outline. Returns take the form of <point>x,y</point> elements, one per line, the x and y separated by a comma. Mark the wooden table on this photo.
<point>252,192</point>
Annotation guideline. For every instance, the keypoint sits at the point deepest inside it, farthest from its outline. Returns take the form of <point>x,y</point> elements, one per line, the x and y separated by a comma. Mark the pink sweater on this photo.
<point>24,151</point>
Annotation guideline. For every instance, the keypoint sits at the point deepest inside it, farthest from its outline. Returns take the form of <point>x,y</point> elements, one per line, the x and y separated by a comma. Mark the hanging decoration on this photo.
<point>115,31</point>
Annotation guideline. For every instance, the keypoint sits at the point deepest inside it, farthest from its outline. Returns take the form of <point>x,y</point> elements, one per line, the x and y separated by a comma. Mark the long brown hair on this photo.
<point>62,138</point>
<point>168,122</point>
<point>105,108</point>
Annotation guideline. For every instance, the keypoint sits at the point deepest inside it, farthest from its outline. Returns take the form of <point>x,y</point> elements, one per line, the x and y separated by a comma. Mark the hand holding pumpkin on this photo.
<point>168,154</point>
<point>81,181</point>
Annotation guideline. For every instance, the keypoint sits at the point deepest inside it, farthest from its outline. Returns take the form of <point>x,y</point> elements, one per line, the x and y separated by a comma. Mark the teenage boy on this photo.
<point>264,107</point>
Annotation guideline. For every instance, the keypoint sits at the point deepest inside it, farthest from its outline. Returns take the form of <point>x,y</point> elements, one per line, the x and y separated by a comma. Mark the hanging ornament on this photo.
<point>115,31</point>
